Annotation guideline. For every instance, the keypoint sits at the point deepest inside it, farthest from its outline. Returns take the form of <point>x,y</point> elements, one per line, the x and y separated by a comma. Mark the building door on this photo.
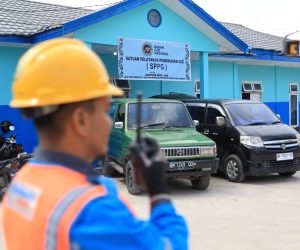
<point>294,106</point>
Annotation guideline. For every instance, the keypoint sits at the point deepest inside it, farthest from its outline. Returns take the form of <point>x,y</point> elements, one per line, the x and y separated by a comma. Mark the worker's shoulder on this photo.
<point>107,183</point>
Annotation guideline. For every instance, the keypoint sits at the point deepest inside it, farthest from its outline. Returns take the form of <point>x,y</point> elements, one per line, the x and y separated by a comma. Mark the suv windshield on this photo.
<point>159,115</point>
<point>244,114</point>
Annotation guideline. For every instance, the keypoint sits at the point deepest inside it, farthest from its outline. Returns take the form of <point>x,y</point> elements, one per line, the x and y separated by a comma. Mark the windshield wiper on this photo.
<point>256,123</point>
<point>276,122</point>
<point>175,126</point>
<point>153,125</point>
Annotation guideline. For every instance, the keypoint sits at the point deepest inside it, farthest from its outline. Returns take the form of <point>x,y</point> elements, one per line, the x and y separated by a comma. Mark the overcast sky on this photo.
<point>278,17</point>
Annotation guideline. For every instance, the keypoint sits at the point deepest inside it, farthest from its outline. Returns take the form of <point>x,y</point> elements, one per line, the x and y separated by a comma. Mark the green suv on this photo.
<point>190,154</point>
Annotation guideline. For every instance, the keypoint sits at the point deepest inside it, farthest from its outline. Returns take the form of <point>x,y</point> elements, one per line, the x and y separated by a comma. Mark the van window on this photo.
<point>197,111</point>
<point>247,114</point>
<point>212,112</point>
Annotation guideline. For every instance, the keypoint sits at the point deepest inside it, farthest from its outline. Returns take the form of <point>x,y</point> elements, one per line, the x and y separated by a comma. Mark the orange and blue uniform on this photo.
<point>56,202</point>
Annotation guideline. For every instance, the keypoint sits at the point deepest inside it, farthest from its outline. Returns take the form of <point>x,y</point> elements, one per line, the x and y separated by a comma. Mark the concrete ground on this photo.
<point>261,213</point>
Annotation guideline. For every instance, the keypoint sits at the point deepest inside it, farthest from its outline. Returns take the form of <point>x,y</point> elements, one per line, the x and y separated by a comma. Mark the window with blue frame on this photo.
<point>294,106</point>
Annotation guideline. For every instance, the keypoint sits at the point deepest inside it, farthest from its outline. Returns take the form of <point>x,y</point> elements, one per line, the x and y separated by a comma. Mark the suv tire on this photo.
<point>201,182</point>
<point>106,169</point>
<point>132,186</point>
<point>288,174</point>
<point>234,169</point>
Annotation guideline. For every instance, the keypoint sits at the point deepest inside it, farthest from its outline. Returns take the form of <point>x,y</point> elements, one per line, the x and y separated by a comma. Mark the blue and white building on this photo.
<point>227,60</point>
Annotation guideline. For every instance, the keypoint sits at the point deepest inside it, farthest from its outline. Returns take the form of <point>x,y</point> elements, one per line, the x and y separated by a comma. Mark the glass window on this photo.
<point>294,88</point>
<point>244,114</point>
<point>257,87</point>
<point>252,91</point>
<point>120,114</point>
<point>294,110</point>
<point>247,87</point>
<point>197,112</point>
<point>123,84</point>
<point>212,113</point>
<point>112,111</point>
<point>197,85</point>
<point>197,88</point>
<point>160,115</point>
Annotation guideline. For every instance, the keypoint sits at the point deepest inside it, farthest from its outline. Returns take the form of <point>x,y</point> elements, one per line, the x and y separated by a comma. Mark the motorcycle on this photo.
<point>8,169</point>
<point>12,156</point>
<point>9,148</point>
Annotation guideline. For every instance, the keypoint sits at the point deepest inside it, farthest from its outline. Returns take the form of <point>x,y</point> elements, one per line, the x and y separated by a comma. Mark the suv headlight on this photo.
<point>298,138</point>
<point>208,151</point>
<point>253,141</point>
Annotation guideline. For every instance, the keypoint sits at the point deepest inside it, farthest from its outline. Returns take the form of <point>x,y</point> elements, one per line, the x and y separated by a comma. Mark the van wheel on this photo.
<point>201,182</point>
<point>234,169</point>
<point>287,174</point>
<point>106,169</point>
<point>132,186</point>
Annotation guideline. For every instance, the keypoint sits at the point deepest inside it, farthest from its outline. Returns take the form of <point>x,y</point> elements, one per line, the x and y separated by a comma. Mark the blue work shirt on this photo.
<point>107,223</point>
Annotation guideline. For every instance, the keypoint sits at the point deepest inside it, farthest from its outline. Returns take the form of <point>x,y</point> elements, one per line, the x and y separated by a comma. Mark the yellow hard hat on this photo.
<point>60,71</point>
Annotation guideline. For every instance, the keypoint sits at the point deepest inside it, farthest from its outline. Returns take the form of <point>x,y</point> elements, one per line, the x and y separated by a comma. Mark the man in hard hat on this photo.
<point>56,201</point>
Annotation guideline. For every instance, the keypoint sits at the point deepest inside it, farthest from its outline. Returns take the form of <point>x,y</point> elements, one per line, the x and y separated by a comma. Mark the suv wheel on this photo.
<point>287,174</point>
<point>132,186</point>
<point>201,182</point>
<point>234,169</point>
<point>106,169</point>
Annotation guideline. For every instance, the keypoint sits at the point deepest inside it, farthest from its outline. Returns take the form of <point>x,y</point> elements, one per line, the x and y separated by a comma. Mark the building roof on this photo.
<point>256,39</point>
<point>23,21</point>
<point>27,18</point>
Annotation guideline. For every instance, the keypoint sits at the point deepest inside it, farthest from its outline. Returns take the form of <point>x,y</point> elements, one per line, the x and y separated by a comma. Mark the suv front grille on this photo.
<point>281,144</point>
<point>288,163</point>
<point>183,152</point>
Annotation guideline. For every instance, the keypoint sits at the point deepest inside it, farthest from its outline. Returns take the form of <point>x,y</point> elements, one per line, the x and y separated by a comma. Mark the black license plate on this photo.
<point>181,165</point>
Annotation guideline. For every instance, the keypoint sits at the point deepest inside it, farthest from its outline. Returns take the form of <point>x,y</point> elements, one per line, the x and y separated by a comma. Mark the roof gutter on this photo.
<point>15,39</point>
<point>273,57</point>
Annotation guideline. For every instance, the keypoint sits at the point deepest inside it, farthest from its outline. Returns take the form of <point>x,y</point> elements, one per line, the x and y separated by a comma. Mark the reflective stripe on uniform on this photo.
<point>52,229</point>
<point>53,209</point>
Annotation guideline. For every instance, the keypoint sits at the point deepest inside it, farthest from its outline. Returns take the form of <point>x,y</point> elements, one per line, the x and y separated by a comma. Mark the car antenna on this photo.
<point>139,95</point>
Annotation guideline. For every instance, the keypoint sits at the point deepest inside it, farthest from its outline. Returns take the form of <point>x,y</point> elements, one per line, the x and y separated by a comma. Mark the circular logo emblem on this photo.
<point>180,152</point>
<point>147,49</point>
<point>283,146</point>
<point>154,18</point>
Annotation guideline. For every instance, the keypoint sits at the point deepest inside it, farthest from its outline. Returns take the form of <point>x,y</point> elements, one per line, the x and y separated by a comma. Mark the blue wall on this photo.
<point>285,76</point>
<point>134,24</point>
<point>9,57</point>
<point>221,80</point>
<point>26,135</point>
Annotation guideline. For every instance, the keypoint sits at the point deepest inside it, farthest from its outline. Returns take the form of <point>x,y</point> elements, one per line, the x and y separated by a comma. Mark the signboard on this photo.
<point>153,60</point>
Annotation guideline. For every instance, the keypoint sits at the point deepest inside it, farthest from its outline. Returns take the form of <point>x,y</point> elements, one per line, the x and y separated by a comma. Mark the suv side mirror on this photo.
<point>119,125</point>
<point>220,121</point>
<point>196,122</point>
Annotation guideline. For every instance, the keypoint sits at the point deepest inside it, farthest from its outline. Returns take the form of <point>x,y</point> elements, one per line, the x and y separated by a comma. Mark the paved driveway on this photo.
<point>261,213</point>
